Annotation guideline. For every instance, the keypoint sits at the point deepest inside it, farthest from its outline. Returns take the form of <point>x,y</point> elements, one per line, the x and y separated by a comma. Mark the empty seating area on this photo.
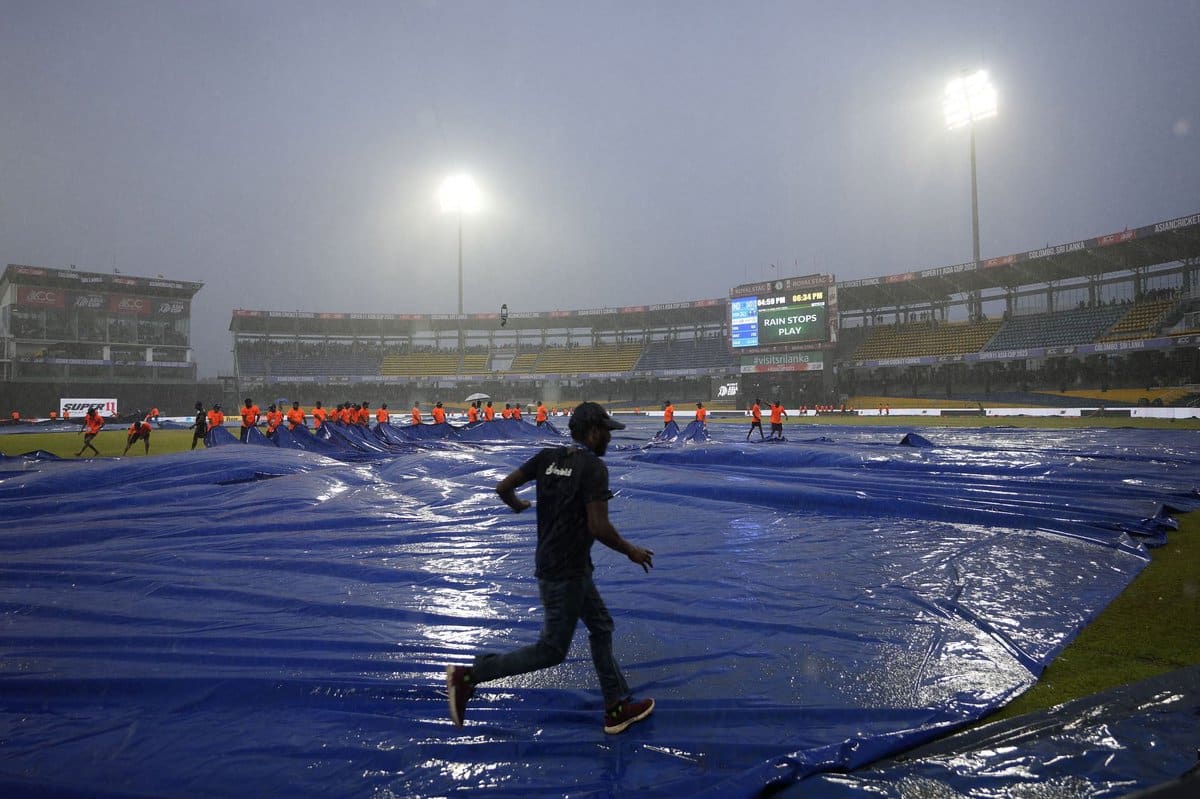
<point>600,358</point>
<point>699,353</point>
<point>1061,328</point>
<point>1141,321</point>
<point>924,339</point>
<point>420,364</point>
<point>524,363</point>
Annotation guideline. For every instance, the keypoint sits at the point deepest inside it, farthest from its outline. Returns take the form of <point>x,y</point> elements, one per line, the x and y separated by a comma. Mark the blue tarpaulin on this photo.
<point>275,620</point>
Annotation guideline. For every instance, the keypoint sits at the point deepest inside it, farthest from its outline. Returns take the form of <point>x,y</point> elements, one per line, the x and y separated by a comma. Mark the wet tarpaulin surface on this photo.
<point>275,620</point>
<point>1087,747</point>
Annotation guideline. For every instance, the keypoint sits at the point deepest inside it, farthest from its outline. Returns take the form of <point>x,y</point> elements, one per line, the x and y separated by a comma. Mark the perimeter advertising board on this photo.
<point>783,362</point>
<point>77,407</point>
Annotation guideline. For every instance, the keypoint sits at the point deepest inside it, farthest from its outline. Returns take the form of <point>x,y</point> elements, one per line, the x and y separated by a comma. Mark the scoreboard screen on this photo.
<point>786,317</point>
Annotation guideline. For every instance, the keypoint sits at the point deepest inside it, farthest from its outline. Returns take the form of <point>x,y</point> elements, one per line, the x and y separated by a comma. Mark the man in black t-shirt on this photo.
<point>572,500</point>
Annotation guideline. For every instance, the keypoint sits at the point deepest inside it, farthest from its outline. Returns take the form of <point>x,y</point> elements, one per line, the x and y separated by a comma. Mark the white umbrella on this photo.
<point>474,397</point>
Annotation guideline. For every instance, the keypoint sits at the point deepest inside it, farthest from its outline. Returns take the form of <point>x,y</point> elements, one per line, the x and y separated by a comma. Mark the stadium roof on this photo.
<point>1152,245</point>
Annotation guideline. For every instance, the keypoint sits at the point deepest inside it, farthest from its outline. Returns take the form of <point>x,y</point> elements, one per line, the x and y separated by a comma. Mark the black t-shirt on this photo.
<point>567,479</point>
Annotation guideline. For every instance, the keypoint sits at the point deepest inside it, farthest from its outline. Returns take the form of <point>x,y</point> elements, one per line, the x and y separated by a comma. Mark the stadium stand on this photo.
<point>600,358</point>
<point>1080,326</point>
<point>1142,321</point>
<point>524,363</point>
<point>431,363</point>
<point>925,338</point>
<point>685,354</point>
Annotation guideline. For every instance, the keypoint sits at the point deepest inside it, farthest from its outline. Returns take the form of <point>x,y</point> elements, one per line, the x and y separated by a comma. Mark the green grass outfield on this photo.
<point>1151,628</point>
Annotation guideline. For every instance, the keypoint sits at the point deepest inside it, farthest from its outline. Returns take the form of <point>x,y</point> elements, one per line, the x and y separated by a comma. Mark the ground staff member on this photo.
<point>572,511</point>
<point>139,430</point>
<point>92,423</point>
<point>200,425</point>
<point>250,414</point>
<point>295,417</point>
<point>755,419</point>
<point>777,414</point>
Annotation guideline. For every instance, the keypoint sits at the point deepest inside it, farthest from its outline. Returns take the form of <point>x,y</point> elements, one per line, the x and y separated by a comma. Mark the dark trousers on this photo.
<point>564,603</point>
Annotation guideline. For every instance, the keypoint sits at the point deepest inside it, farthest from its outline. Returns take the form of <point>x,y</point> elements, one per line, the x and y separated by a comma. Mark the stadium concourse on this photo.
<point>274,617</point>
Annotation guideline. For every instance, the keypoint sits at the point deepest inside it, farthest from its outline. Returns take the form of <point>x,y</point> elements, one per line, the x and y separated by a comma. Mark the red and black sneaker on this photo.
<point>628,711</point>
<point>460,688</point>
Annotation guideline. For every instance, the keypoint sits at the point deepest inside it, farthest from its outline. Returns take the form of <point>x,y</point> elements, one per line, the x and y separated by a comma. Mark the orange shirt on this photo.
<point>516,412</point>
<point>541,414</point>
<point>382,416</point>
<point>318,415</point>
<point>250,415</point>
<point>668,414</point>
<point>416,415</point>
<point>274,419</point>
<point>215,419</point>
<point>506,413</point>
<point>439,415</point>
<point>777,414</point>
<point>139,427</point>
<point>364,416</point>
<point>756,413</point>
<point>92,424</point>
<point>472,414</point>
<point>295,418</point>
<point>489,414</point>
<point>701,414</point>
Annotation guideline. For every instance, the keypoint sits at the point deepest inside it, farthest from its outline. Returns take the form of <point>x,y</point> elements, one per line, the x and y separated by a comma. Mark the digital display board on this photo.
<point>785,317</point>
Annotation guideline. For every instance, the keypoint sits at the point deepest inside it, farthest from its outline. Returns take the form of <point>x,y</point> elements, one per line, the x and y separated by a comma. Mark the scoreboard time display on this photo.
<point>787,317</point>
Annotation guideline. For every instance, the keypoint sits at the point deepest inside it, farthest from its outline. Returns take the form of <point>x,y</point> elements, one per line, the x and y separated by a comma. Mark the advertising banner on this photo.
<point>29,297</point>
<point>77,407</point>
<point>129,304</point>
<point>784,362</point>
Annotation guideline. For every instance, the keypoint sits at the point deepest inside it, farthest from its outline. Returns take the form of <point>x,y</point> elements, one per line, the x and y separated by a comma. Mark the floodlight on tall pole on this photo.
<point>459,193</point>
<point>969,99</point>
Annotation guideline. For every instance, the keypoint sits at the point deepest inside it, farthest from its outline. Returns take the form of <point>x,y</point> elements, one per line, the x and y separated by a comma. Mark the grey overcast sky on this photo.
<point>288,154</point>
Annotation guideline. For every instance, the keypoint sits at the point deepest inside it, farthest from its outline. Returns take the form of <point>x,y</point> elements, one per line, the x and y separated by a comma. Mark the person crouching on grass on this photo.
<point>572,511</point>
<point>138,430</point>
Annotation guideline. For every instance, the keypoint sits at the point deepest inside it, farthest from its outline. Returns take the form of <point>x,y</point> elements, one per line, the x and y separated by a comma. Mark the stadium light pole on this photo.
<point>969,99</point>
<point>459,194</point>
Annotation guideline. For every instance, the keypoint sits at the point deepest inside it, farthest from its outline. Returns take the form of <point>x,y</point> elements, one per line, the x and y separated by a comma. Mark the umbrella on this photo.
<point>474,397</point>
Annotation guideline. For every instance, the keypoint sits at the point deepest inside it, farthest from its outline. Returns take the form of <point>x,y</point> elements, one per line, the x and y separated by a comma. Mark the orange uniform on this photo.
<point>701,414</point>
<point>382,416</point>
<point>250,415</point>
<point>756,413</point>
<point>489,413</point>
<point>295,418</point>
<point>541,414</point>
<point>777,414</point>
<point>439,414</point>
<point>472,414</point>
<point>274,419</point>
<point>318,415</point>
<point>668,413</point>
<point>364,416</point>
<point>92,424</point>
<point>416,415</point>
<point>215,419</point>
<point>516,412</point>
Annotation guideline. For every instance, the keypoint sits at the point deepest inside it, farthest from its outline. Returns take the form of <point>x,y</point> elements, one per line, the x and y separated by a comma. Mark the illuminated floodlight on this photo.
<point>459,193</point>
<point>969,99</point>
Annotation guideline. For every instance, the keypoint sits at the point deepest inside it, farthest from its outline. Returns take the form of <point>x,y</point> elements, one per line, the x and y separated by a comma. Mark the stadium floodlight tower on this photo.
<point>459,193</point>
<point>969,99</point>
